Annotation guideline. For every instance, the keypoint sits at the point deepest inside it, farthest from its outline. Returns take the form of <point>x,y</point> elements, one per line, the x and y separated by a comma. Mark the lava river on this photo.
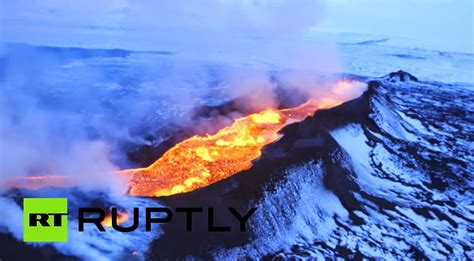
<point>202,160</point>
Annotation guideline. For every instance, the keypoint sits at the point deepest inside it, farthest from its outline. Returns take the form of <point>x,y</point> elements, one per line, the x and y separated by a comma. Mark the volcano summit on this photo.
<point>386,174</point>
<point>367,178</point>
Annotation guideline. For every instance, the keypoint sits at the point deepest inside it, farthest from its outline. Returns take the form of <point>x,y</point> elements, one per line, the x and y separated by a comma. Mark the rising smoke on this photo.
<point>66,111</point>
<point>55,113</point>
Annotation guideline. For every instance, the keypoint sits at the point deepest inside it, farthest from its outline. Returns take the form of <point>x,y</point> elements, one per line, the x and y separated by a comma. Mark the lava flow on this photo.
<point>121,218</point>
<point>202,160</point>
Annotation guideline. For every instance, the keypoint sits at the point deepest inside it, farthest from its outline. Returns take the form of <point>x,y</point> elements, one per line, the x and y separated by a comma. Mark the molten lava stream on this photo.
<point>202,160</point>
<point>122,217</point>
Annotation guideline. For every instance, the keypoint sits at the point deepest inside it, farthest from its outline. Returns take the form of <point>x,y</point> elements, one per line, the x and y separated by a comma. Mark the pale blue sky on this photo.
<point>433,24</point>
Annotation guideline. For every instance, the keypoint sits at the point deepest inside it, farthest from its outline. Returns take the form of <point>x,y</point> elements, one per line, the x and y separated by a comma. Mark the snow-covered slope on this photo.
<point>387,175</point>
<point>409,165</point>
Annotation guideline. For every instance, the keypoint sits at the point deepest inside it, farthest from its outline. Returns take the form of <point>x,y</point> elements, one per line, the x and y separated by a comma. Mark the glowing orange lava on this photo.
<point>121,218</point>
<point>203,160</point>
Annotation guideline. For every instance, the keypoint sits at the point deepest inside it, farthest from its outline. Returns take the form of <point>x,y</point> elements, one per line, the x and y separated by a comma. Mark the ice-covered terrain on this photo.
<point>373,55</point>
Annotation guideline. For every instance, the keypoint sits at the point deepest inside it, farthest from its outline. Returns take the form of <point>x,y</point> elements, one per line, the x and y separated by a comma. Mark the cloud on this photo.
<point>184,26</point>
<point>67,115</point>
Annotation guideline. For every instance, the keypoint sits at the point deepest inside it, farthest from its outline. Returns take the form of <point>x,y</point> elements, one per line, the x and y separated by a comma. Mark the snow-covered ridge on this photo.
<point>396,184</point>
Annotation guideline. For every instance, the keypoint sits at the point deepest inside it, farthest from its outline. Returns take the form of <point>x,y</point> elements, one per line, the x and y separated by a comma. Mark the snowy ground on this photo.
<point>373,55</point>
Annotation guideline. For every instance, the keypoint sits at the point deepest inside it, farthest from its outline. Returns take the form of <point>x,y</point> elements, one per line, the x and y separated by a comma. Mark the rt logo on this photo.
<point>45,219</point>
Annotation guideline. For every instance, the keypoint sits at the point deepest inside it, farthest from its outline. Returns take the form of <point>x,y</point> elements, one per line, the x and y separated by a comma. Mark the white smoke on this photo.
<point>12,221</point>
<point>250,38</point>
<point>90,244</point>
<point>121,22</point>
<point>39,138</point>
<point>54,109</point>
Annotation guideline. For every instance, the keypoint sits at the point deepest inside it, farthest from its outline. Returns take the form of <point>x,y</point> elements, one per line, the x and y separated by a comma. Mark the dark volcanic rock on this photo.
<point>400,76</point>
<point>12,249</point>
<point>302,142</point>
<point>374,154</point>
